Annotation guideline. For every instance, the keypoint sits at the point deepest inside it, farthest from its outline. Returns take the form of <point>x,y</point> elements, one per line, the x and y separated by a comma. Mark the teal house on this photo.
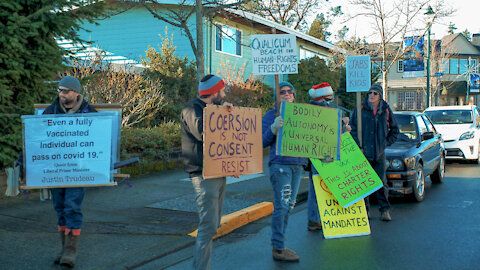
<point>126,36</point>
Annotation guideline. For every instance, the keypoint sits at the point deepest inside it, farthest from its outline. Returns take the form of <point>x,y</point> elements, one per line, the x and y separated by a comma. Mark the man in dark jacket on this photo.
<point>67,202</point>
<point>210,192</point>
<point>379,130</point>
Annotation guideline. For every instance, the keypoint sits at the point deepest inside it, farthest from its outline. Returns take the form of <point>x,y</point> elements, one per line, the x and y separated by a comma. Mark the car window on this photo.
<point>450,116</point>
<point>430,126</point>
<point>422,128</point>
<point>407,126</point>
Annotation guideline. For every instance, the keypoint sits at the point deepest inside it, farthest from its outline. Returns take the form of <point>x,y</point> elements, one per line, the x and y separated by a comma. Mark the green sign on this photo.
<point>309,131</point>
<point>352,178</point>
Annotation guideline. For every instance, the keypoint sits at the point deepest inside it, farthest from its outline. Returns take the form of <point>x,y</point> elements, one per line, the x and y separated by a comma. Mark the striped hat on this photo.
<point>320,90</point>
<point>210,84</point>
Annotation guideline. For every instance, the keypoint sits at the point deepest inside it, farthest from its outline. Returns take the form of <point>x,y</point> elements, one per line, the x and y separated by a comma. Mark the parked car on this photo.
<point>460,129</point>
<point>418,153</point>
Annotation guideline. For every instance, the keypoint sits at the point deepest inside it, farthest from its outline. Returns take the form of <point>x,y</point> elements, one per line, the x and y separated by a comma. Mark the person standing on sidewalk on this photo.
<point>209,192</point>
<point>67,202</point>
<point>285,175</point>
<point>321,95</point>
<point>379,130</point>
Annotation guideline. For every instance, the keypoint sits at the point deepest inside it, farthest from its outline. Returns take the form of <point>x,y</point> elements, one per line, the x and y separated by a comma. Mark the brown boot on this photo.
<point>69,250</point>
<point>59,256</point>
<point>287,255</point>
<point>314,226</point>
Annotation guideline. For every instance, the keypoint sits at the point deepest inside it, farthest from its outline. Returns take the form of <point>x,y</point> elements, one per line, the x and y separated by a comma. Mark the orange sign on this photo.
<point>232,141</point>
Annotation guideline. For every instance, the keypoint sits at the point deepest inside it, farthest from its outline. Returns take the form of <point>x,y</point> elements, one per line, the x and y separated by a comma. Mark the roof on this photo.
<point>283,28</point>
<point>84,52</point>
<point>447,108</point>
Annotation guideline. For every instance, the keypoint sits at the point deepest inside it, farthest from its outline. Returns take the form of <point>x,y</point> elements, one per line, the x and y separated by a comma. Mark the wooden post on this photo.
<point>277,86</point>
<point>359,118</point>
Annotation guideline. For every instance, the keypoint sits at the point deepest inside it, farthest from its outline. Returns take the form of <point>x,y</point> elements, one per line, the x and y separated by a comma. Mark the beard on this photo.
<point>217,100</point>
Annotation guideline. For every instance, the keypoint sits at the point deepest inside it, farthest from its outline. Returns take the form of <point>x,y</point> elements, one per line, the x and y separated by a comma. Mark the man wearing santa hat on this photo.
<point>321,95</point>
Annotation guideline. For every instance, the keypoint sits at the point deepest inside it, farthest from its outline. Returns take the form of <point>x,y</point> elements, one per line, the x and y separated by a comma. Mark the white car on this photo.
<point>460,129</point>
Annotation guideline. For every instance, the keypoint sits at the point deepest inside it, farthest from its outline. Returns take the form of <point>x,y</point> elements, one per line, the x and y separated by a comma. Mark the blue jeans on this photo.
<point>68,204</point>
<point>210,194</point>
<point>382,193</point>
<point>285,181</point>
<point>312,206</point>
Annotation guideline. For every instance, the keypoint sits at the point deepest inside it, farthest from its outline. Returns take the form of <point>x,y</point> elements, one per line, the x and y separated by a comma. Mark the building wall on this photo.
<point>130,33</point>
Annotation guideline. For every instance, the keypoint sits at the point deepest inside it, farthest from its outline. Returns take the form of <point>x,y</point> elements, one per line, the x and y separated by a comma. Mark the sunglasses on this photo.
<point>283,92</point>
<point>63,91</point>
<point>374,93</point>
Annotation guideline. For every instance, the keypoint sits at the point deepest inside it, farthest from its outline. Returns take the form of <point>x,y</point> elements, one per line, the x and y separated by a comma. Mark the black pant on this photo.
<point>382,193</point>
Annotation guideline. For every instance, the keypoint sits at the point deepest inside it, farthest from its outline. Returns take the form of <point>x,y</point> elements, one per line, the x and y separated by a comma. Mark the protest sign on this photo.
<point>274,54</point>
<point>352,178</point>
<point>232,141</point>
<point>338,221</point>
<point>358,73</point>
<point>68,150</point>
<point>309,131</point>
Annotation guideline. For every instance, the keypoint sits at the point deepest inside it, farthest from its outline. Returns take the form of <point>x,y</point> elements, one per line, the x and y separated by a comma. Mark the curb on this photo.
<point>240,218</point>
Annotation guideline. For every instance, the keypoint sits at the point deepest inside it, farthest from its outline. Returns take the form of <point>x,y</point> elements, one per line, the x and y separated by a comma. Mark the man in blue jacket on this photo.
<point>379,130</point>
<point>285,175</point>
<point>67,202</point>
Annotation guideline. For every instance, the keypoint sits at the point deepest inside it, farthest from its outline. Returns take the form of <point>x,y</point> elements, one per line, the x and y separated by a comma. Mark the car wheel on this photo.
<point>419,184</point>
<point>439,174</point>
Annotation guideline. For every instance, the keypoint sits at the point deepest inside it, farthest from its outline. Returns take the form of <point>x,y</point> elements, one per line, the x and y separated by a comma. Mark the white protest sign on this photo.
<point>274,54</point>
<point>68,150</point>
<point>358,73</point>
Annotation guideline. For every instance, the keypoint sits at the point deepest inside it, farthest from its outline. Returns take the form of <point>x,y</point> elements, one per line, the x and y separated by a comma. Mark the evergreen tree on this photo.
<point>319,27</point>
<point>29,56</point>
<point>451,28</point>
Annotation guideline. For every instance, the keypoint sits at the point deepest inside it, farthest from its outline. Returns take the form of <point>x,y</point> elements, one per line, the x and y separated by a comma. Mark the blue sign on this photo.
<point>413,64</point>
<point>68,149</point>
<point>474,83</point>
<point>439,74</point>
<point>358,73</point>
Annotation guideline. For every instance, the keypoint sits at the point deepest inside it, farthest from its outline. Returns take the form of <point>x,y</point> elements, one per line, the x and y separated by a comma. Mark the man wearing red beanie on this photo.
<point>211,192</point>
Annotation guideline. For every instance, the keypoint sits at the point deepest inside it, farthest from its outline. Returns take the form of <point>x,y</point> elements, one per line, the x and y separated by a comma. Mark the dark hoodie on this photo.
<point>379,129</point>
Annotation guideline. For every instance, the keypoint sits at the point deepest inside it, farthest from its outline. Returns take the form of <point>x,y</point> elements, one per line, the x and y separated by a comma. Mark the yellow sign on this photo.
<point>232,141</point>
<point>337,221</point>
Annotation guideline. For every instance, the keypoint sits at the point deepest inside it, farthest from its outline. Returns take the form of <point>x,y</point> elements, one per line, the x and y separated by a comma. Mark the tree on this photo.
<point>391,22</point>
<point>451,28</point>
<point>467,34</point>
<point>319,27</point>
<point>291,13</point>
<point>29,55</point>
<point>178,15</point>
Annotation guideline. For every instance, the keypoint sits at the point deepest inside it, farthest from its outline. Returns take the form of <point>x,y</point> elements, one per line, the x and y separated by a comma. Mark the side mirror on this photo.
<point>428,135</point>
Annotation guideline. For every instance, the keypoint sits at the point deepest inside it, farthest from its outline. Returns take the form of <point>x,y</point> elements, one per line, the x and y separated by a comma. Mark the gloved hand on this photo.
<point>277,124</point>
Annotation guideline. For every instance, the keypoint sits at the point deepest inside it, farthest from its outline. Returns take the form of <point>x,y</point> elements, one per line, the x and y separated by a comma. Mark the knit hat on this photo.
<point>377,88</point>
<point>71,83</point>
<point>320,90</point>
<point>210,84</point>
<point>282,84</point>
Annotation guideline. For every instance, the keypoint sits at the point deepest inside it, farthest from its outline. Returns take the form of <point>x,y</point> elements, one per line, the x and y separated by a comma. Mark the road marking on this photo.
<point>231,180</point>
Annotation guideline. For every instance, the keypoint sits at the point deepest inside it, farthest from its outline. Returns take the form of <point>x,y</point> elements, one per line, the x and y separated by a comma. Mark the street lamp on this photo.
<point>431,16</point>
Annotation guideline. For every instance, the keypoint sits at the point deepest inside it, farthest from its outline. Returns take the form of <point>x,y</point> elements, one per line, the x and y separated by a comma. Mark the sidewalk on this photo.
<point>124,227</point>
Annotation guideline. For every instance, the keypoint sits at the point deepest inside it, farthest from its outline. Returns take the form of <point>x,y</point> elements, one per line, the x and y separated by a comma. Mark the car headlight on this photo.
<point>396,164</point>
<point>467,135</point>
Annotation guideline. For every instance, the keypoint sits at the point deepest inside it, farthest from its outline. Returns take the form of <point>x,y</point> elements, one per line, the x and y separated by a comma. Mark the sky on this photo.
<point>467,16</point>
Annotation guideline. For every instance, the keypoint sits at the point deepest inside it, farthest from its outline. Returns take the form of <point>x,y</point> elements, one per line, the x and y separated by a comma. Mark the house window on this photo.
<point>453,66</point>
<point>463,66</point>
<point>228,40</point>
<point>410,101</point>
<point>445,66</point>
<point>473,65</point>
<point>400,66</point>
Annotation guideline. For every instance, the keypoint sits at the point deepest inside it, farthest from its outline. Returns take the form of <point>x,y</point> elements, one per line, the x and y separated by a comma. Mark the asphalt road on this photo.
<point>442,232</point>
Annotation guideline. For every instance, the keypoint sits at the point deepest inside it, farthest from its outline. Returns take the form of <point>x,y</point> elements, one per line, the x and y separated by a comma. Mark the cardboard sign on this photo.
<point>352,178</point>
<point>358,73</point>
<point>232,141</point>
<point>338,221</point>
<point>274,54</point>
<point>68,150</point>
<point>309,131</point>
